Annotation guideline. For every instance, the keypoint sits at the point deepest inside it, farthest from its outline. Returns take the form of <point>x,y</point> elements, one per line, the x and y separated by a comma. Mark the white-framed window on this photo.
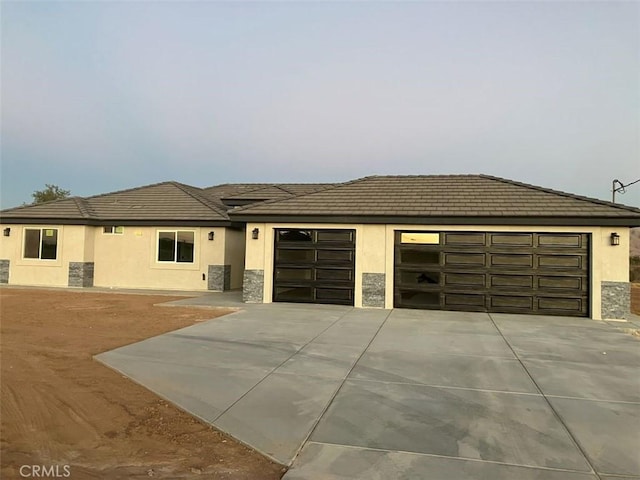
<point>113,230</point>
<point>40,243</point>
<point>176,246</point>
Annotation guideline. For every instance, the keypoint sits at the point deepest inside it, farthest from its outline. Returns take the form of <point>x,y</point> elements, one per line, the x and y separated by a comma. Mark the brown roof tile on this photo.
<point>437,196</point>
<point>167,201</point>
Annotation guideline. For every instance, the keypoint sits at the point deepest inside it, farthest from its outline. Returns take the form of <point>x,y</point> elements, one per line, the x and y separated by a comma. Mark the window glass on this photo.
<point>118,230</point>
<point>166,246</point>
<point>32,243</point>
<point>295,236</point>
<point>185,247</point>
<point>293,273</point>
<point>49,244</point>
<point>41,243</point>
<point>107,229</point>
<point>293,256</point>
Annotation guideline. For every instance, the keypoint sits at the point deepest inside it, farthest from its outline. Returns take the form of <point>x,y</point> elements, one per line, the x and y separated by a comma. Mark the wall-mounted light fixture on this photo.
<point>255,233</point>
<point>211,235</point>
<point>615,239</point>
<point>7,232</point>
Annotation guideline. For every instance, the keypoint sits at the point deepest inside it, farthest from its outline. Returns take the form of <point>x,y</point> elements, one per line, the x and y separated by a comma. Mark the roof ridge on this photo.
<point>280,187</point>
<point>562,194</point>
<point>200,197</point>
<point>129,189</point>
<point>84,207</point>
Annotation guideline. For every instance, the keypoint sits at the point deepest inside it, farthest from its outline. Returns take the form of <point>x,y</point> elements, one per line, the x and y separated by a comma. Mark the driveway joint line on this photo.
<point>343,381</point>
<point>280,364</point>
<point>555,412</point>
<point>435,455</point>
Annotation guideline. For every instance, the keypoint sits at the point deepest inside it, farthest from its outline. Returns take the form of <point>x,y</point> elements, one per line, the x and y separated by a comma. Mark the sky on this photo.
<point>98,96</point>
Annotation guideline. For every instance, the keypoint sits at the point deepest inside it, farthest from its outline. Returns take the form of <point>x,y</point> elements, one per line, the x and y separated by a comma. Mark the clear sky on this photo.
<point>102,96</point>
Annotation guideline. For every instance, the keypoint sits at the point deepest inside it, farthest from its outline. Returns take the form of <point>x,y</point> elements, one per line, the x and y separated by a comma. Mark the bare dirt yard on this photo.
<point>60,407</point>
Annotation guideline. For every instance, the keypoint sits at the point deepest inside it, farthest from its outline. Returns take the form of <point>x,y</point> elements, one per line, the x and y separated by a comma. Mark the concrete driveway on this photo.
<point>343,393</point>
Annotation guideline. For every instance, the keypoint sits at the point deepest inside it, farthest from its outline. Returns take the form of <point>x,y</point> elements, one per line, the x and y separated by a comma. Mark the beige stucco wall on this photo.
<point>74,245</point>
<point>122,261</point>
<point>375,252</point>
<point>234,248</point>
<point>130,260</point>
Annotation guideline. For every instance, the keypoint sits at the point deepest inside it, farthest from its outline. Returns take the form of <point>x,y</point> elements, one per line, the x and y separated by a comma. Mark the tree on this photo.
<point>50,192</point>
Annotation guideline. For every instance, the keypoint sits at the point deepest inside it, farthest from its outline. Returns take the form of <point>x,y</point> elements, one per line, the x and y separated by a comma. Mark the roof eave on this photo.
<point>120,222</point>
<point>626,221</point>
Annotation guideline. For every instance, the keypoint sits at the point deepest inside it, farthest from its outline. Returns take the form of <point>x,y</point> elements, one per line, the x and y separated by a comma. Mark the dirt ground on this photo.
<point>60,407</point>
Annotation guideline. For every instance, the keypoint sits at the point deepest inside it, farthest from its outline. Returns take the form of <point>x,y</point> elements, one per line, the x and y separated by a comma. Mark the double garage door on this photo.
<point>516,272</point>
<point>539,273</point>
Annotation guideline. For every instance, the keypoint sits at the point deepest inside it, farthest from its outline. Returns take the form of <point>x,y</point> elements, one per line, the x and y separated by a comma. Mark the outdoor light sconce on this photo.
<point>7,232</point>
<point>615,239</point>
<point>211,235</point>
<point>255,233</point>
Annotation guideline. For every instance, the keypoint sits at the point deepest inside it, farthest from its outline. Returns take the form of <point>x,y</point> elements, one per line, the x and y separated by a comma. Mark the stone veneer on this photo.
<point>4,271</point>
<point>373,288</point>
<point>253,286</point>
<point>616,300</point>
<point>81,274</point>
<point>219,277</point>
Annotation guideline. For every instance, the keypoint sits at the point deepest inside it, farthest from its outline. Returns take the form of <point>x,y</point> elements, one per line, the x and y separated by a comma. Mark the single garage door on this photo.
<point>314,266</point>
<point>536,273</point>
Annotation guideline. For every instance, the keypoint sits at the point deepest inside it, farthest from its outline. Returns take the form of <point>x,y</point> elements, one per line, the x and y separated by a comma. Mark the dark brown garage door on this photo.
<point>314,266</point>
<point>537,273</point>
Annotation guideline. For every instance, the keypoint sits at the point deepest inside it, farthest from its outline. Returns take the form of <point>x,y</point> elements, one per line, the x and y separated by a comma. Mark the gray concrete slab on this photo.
<point>205,392</point>
<point>608,432</point>
<point>501,427</point>
<point>586,380</point>
<point>277,415</point>
<point>627,353</point>
<point>339,462</point>
<point>489,345</point>
<point>323,360</point>
<point>437,369</point>
<point>404,393</point>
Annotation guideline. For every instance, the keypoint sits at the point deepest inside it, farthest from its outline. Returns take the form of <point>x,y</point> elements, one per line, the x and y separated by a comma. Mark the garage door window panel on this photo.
<point>294,274</point>
<point>420,257</point>
<point>419,278</point>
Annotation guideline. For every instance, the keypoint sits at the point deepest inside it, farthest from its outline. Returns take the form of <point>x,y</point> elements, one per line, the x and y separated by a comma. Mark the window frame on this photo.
<point>175,247</point>
<point>40,243</point>
<point>114,230</point>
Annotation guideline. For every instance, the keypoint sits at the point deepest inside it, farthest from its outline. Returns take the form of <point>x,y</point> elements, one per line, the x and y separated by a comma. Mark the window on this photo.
<point>175,246</point>
<point>41,243</point>
<point>113,230</point>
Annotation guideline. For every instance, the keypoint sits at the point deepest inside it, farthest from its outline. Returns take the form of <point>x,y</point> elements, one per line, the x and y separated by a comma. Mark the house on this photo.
<point>162,236</point>
<point>448,242</point>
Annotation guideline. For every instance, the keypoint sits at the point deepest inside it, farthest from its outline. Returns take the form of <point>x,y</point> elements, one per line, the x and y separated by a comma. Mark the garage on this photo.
<point>512,272</point>
<point>314,266</point>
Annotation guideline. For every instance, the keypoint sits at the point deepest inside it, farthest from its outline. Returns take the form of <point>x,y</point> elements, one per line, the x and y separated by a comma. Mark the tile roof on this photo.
<point>377,199</point>
<point>161,202</point>
<point>263,191</point>
<point>437,196</point>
